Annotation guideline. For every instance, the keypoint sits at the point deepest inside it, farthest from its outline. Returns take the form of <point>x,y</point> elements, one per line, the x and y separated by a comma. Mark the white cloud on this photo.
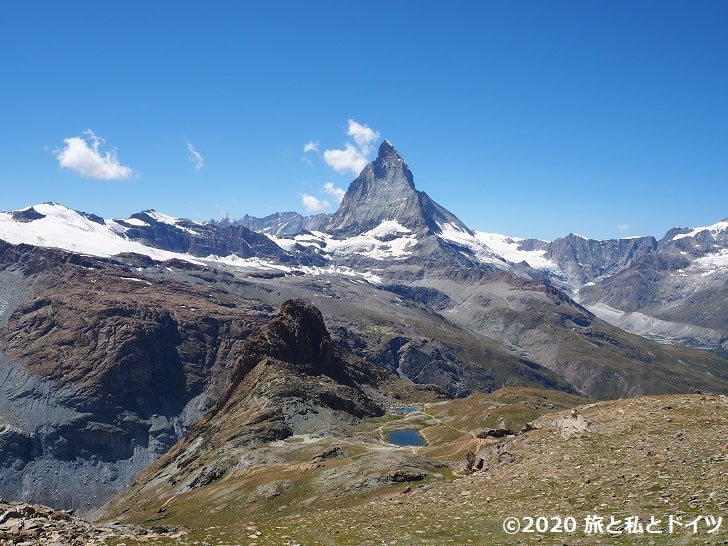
<point>195,156</point>
<point>350,159</point>
<point>623,227</point>
<point>354,157</point>
<point>89,161</point>
<point>314,204</point>
<point>332,190</point>
<point>363,136</point>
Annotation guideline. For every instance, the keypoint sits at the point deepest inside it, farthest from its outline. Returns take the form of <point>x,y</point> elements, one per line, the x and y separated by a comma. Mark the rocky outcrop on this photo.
<point>290,378</point>
<point>38,525</point>
<point>297,346</point>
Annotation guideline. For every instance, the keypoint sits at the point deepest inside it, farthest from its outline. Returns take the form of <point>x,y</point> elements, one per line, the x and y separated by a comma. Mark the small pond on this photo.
<point>408,409</point>
<point>406,437</point>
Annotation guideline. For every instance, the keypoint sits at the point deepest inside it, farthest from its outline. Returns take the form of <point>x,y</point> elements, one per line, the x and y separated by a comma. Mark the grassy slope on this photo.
<point>648,456</point>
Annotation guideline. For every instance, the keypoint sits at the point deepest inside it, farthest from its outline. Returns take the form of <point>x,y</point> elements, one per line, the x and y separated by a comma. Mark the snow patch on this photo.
<point>388,228</point>
<point>510,249</point>
<point>479,250</point>
<point>715,261</point>
<point>132,222</point>
<point>388,241</point>
<point>714,230</point>
<point>66,229</point>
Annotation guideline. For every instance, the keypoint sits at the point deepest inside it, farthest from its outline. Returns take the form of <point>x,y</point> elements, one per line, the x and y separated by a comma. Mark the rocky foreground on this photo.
<point>648,470</point>
<point>34,524</point>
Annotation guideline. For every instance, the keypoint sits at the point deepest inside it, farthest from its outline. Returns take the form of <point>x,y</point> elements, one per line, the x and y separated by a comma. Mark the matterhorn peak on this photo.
<point>388,152</point>
<point>385,191</point>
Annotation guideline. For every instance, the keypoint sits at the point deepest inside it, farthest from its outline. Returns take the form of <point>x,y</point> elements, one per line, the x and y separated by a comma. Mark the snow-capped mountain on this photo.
<point>148,233</point>
<point>387,232</point>
<point>672,290</point>
<point>56,226</point>
<point>116,334</point>
<point>676,294</point>
<point>383,217</point>
<point>385,191</point>
<point>645,286</point>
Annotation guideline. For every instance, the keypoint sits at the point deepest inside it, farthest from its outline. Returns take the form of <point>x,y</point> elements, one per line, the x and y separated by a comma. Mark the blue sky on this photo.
<point>533,119</point>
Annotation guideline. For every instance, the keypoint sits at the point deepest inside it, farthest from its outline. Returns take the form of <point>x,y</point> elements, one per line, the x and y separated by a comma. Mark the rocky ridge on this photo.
<point>290,379</point>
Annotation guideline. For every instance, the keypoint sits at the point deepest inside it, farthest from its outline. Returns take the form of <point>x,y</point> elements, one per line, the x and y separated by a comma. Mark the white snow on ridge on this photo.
<point>508,248</point>
<point>481,250</point>
<point>389,240</point>
<point>66,229</point>
<point>257,264</point>
<point>161,217</point>
<point>714,230</point>
<point>717,260</point>
<point>246,263</point>
<point>456,235</point>
<point>131,221</point>
<point>170,220</point>
<point>302,239</point>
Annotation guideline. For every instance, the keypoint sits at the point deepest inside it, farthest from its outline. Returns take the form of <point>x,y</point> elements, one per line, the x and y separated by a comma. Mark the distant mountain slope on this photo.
<point>676,294</point>
<point>281,224</point>
<point>102,368</point>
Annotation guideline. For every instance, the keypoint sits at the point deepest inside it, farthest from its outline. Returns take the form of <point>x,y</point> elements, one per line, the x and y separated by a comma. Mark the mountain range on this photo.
<point>117,335</point>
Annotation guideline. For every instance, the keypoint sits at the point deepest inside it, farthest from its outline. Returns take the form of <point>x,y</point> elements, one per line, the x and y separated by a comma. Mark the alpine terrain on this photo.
<point>258,365</point>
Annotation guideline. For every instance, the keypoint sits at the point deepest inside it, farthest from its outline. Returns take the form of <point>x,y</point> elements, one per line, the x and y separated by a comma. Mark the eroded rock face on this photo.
<point>101,371</point>
<point>297,346</point>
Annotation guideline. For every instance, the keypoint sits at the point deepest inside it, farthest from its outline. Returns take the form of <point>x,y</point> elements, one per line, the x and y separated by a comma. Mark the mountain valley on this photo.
<point>155,369</point>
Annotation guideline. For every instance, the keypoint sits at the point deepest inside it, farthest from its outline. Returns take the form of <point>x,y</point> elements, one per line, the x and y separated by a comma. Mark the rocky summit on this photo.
<point>385,191</point>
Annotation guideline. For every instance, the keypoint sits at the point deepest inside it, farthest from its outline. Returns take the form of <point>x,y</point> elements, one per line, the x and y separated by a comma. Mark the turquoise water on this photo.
<point>406,437</point>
